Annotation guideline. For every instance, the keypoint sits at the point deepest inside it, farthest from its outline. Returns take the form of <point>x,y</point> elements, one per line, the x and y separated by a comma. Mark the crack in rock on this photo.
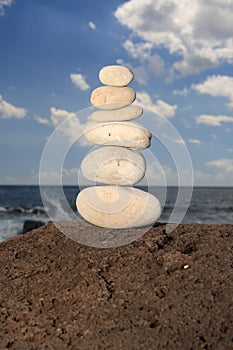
<point>108,284</point>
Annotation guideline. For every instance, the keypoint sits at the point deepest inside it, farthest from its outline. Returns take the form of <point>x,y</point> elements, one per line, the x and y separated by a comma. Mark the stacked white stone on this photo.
<point>118,164</point>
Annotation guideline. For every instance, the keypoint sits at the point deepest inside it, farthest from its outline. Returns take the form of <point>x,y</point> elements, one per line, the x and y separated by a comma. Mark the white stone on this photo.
<point>115,75</point>
<point>114,165</point>
<point>126,134</point>
<point>122,114</point>
<point>118,206</point>
<point>110,97</point>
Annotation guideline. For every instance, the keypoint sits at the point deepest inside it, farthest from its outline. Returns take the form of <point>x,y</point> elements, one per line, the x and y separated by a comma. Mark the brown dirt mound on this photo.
<point>163,291</point>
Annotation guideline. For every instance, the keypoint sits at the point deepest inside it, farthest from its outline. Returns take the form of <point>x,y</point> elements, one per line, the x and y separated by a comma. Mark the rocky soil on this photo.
<point>162,291</point>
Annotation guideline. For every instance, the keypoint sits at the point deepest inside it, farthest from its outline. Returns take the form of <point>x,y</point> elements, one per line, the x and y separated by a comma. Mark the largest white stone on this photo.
<point>114,166</point>
<point>118,207</point>
<point>126,134</point>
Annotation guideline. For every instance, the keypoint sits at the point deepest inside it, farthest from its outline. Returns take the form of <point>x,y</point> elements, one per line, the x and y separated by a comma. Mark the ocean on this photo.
<point>20,203</point>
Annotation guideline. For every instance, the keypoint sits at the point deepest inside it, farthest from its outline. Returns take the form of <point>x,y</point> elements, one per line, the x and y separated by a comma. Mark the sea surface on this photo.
<point>20,203</point>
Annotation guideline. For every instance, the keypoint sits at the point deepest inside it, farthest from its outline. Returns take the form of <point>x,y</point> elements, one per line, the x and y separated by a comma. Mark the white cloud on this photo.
<point>179,141</point>
<point>163,175</point>
<point>195,141</point>
<point>214,137</point>
<point>213,120</point>
<point>148,62</point>
<point>92,25</point>
<point>72,128</point>
<point>8,110</point>
<point>160,107</point>
<point>40,120</point>
<point>141,50</point>
<point>160,175</point>
<point>198,32</point>
<point>217,86</point>
<point>79,81</point>
<point>52,177</point>
<point>225,164</point>
<point>230,150</point>
<point>156,65</point>
<point>156,174</point>
<point>183,92</point>
<point>3,4</point>
<point>206,178</point>
<point>120,61</point>
<point>140,74</point>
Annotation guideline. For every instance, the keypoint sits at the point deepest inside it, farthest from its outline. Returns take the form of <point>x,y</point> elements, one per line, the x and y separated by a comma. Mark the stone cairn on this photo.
<point>119,164</point>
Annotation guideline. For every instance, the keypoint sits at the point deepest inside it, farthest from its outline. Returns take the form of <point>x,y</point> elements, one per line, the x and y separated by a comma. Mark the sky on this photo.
<point>181,53</point>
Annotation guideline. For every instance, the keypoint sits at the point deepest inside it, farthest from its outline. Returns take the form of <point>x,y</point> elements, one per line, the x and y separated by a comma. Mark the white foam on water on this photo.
<point>10,228</point>
<point>54,204</point>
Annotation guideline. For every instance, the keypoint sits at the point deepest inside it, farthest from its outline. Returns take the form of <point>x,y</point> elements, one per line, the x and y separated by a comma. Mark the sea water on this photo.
<point>20,203</point>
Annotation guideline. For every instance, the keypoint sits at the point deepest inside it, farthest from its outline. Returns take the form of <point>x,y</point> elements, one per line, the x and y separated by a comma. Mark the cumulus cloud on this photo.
<point>160,107</point>
<point>157,174</point>
<point>160,175</point>
<point>7,110</point>
<point>179,141</point>
<point>224,164</point>
<point>3,4</point>
<point>217,86</point>
<point>176,140</point>
<point>92,25</point>
<point>208,178</point>
<point>43,121</point>
<point>79,81</point>
<point>148,61</point>
<point>52,177</point>
<point>156,65</point>
<point>140,50</point>
<point>72,128</point>
<point>140,74</point>
<point>139,71</point>
<point>195,141</point>
<point>213,120</point>
<point>199,33</point>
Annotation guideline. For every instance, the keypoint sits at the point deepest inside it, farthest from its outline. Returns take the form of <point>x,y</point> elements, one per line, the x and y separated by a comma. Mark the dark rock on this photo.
<point>31,225</point>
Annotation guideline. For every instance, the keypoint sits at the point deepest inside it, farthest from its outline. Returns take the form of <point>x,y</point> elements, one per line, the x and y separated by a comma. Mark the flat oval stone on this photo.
<point>115,75</point>
<point>114,166</point>
<point>126,113</point>
<point>118,206</point>
<point>110,97</point>
<point>126,134</point>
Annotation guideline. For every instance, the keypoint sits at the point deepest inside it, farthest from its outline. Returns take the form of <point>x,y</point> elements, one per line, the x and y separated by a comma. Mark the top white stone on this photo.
<point>115,76</point>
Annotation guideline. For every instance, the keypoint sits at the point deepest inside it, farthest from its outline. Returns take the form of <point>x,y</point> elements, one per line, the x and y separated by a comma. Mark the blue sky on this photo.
<point>181,53</point>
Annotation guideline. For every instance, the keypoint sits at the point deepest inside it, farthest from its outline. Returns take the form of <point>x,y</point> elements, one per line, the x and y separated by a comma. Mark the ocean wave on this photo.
<point>214,209</point>
<point>36,210</point>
